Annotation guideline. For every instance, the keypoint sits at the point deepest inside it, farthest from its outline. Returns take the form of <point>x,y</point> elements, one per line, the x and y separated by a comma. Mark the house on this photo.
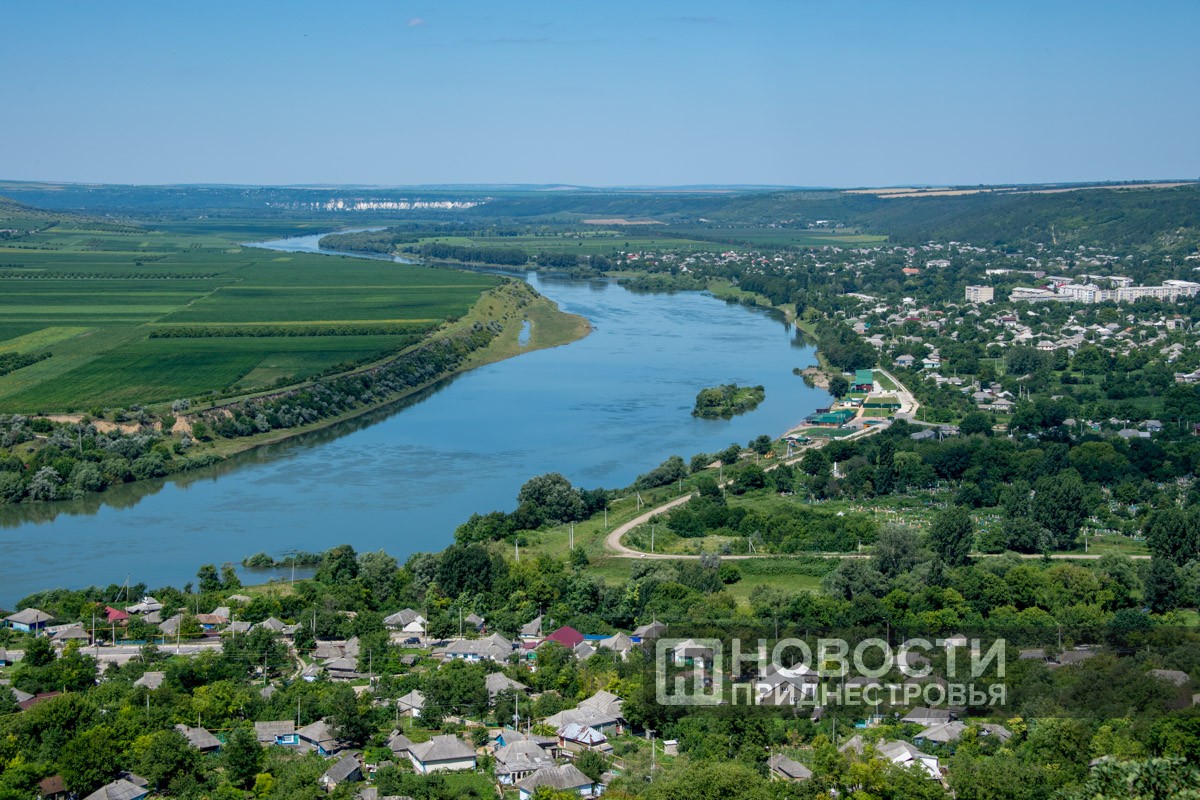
<point>32,700</point>
<point>532,630</point>
<point>575,738</point>
<point>408,622</point>
<point>689,651</point>
<point>443,753</point>
<point>115,615</point>
<point>29,620</point>
<point>171,626</point>
<point>928,716</point>
<point>567,636</point>
<point>652,630</point>
<point>342,669</point>
<point>491,648</point>
<point>905,361</point>
<point>475,621</point>
<point>53,788</point>
<point>317,736</point>
<point>120,789</point>
<point>498,682</point>
<point>1174,676</point>
<point>864,381</point>
<point>200,739</point>
<point>399,744</point>
<point>942,733</point>
<point>347,769</point>
<point>276,732</point>
<point>898,752</point>
<point>585,716</point>
<point>606,703</point>
<point>583,651</point>
<point>410,705</point>
<point>785,769</point>
<point>507,736</point>
<point>520,759</point>
<point>5,661</point>
<point>67,633</point>
<point>619,643</point>
<point>566,778</point>
<point>146,605</point>
<point>777,686</point>
<point>151,680</point>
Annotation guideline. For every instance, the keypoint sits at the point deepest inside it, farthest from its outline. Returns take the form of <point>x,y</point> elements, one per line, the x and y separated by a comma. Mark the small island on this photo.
<point>727,400</point>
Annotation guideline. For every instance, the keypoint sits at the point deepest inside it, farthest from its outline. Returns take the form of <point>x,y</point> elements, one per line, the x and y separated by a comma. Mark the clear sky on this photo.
<point>830,93</point>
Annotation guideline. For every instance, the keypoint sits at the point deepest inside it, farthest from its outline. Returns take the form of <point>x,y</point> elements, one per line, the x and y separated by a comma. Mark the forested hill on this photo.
<point>1168,217</point>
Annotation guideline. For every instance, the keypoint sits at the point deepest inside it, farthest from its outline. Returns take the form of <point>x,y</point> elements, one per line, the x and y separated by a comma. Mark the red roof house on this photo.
<point>567,636</point>
<point>115,614</point>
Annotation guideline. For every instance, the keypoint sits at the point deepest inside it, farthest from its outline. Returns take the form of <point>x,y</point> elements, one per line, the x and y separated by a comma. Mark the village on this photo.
<point>577,749</point>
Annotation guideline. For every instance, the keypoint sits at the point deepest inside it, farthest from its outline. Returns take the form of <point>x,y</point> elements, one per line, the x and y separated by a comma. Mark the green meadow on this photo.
<point>101,298</point>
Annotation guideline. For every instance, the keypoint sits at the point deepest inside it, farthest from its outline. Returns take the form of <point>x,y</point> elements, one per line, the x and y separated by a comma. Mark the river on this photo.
<point>600,411</point>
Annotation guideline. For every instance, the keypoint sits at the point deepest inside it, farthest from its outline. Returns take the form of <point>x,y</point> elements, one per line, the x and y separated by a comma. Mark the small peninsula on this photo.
<point>727,400</point>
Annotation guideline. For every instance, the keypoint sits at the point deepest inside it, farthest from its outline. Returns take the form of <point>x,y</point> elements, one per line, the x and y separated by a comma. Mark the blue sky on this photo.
<point>602,93</point>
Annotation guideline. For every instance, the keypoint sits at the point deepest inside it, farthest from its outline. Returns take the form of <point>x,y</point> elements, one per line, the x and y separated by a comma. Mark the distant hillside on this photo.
<point>1167,217</point>
<point>1122,217</point>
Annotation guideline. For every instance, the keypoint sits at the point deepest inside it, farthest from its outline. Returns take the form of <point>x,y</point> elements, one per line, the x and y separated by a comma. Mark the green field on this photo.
<point>91,295</point>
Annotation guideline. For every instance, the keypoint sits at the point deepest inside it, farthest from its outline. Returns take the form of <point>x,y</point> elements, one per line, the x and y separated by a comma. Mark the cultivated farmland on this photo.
<point>130,315</point>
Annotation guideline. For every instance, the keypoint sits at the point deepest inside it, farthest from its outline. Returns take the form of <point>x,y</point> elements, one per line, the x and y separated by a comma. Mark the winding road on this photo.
<point>908,408</point>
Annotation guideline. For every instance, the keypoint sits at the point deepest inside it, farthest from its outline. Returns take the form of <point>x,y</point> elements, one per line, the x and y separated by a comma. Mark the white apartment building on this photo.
<point>980,294</point>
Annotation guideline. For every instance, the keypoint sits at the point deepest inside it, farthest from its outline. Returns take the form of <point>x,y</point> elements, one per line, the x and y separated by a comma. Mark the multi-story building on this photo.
<point>980,294</point>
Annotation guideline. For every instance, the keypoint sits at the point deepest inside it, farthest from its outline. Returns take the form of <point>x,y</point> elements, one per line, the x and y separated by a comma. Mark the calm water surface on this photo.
<point>601,411</point>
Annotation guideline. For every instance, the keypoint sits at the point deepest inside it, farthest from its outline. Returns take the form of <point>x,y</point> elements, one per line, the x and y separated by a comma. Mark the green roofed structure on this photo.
<point>835,419</point>
<point>864,381</point>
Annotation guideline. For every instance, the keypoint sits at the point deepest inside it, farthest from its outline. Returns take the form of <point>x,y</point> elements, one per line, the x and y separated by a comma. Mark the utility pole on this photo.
<point>572,536</point>
<point>605,515</point>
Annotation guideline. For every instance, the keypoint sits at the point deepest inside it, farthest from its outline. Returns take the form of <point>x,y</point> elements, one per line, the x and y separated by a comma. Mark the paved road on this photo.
<point>908,407</point>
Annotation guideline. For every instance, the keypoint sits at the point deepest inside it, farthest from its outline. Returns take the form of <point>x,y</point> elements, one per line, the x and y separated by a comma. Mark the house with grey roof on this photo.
<point>410,705</point>
<point>317,736</point>
<point>399,744</point>
<point>651,630</point>
<point>498,682</point>
<point>489,648</point>
<point>120,789</point>
<point>342,668</point>
<point>786,769</point>
<point>575,738</point>
<point>347,769</point>
<point>928,716</point>
<point>443,753</point>
<point>566,778</point>
<point>621,644</point>
<point>200,739</point>
<point>532,630</point>
<point>585,716</point>
<point>407,624</point>
<point>519,759</point>
<point>1174,676</point>
<point>29,620</point>
<point>151,680</point>
<point>276,732</point>
<point>897,751</point>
